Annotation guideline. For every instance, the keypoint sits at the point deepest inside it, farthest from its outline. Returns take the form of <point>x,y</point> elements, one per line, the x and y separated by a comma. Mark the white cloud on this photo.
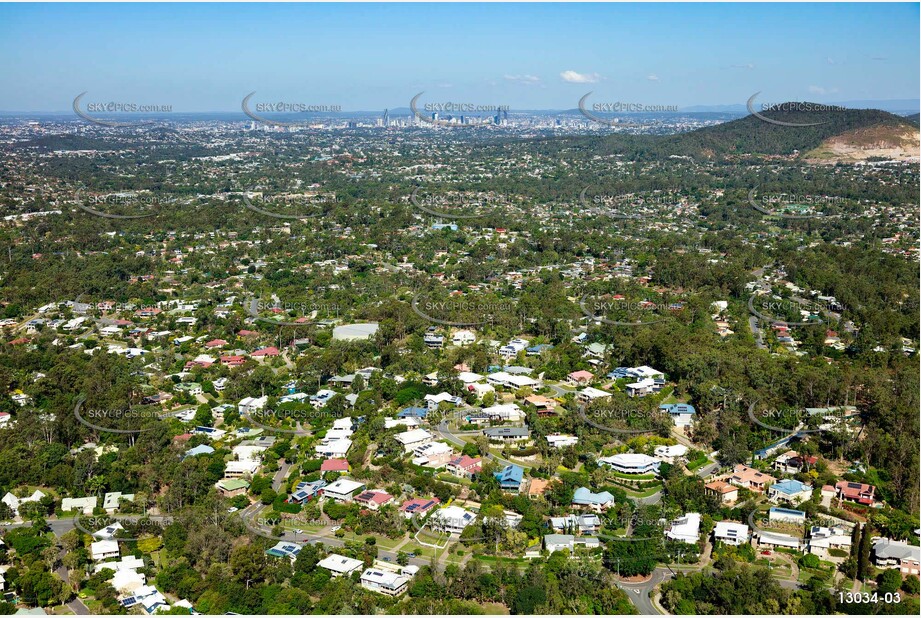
<point>579,78</point>
<point>821,90</point>
<point>653,77</point>
<point>748,66</point>
<point>528,80</point>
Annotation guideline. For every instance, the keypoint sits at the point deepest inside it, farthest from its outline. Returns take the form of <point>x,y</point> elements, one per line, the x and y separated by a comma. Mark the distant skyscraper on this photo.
<point>386,117</point>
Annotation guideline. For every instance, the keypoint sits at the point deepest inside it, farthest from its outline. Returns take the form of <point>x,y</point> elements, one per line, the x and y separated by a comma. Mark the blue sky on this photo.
<point>207,57</point>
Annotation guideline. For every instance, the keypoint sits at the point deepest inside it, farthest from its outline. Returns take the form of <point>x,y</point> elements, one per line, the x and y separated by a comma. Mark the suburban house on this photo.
<point>631,463</point>
<point>685,529</point>
<point>537,487</point>
<point>724,491</point>
<point>889,554</point>
<point>85,505</point>
<point>334,465</point>
<point>112,500</point>
<point>305,491</point>
<point>597,502</point>
<point>790,491</point>
<point>730,533</point>
<point>793,463</point>
<point>373,499</point>
<point>333,448</point>
<point>384,582</point>
<point>855,492</point>
<point>433,401</point>
<point>232,487</point>
<point>14,503</point>
<point>545,405</point>
<point>568,542</point>
<point>590,394</point>
<point>464,466</point>
<point>413,439</point>
<point>580,378</point>
<point>682,414</point>
<point>505,412</point>
<point>285,549</point>
<point>557,440</point>
<point>340,565</point>
<point>513,347</point>
<point>463,337</point>
<point>510,381</point>
<point>821,539</point>
<point>451,519</point>
<point>433,454</point>
<point>510,478</point>
<point>418,507</point>
<point>775,539</point>
<point>586,523</point>
<point>671,453</point>
<point>342,490</point>
<point>507,434</point>
<point>752,479</point>
<point>240,469</point>
<point>104,550</point>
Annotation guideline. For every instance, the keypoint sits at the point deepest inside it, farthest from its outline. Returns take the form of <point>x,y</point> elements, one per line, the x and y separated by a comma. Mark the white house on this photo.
<point>340,565</point>
<point>631,463</point>
<point>413,439</point>
<point>506,412</point>
<point>14,503</point>
<point>590,394</point>
<point>671,453</point>
<point>342,490</point>
<point>463,337</point>
<point>685,529</point>
<point>240,469</point>
<point>558,440</point>
<point>103,550</point>
<point>513,347</point>
<point>384,582</point>
<point>821,539</point>
<point>451,519</point>
<point>336,448</point>
<point>86,505</point>
<point>730,533</point>
<point>508,380</point>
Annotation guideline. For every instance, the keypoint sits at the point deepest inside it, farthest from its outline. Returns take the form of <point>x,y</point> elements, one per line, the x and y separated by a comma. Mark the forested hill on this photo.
<point>753,135</point>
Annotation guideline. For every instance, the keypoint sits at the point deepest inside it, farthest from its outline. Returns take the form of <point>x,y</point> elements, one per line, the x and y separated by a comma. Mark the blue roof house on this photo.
<point>510,478</point>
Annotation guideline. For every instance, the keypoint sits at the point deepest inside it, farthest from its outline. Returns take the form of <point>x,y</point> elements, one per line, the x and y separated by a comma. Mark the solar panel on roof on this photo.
<point>854,485</point>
